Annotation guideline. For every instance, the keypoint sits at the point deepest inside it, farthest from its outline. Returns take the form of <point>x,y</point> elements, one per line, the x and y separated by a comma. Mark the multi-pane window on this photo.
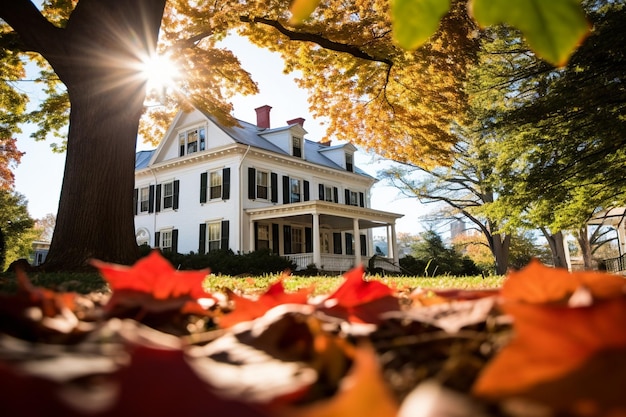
<point>349,162</point>
<point>166,241</point>
<point>295,194</point>
<point>262,185</point>
<point>354,198</point>
<point>215,184</point>
<point>296,240</point>
<point>263,236</point>
<point>328,193</point>
<point>296,146</point>
<point>214,235</point>
<point>144,199</point>
<point>192,140</point>
<point>325,242</point>
<point>168,195</point>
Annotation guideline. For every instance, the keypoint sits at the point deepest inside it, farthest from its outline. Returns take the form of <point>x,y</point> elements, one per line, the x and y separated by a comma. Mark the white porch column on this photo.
<point>251,237</point>
<point>394,245</point>
<point>357,242</point>
<point>391,250</point>
<point>317,252</point>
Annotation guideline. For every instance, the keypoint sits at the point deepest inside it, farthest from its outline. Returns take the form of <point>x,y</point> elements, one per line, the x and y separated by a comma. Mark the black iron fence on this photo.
<point>616,264</point>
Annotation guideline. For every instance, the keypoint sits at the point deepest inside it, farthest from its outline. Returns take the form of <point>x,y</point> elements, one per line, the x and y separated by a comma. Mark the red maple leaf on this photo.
<point>247,309</point>
<point>360,301</point>
<point>553,340</point>
<point>154,275</point>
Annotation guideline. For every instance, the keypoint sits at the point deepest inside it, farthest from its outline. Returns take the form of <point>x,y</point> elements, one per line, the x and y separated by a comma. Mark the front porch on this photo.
<point>333,237</point>
<point>342,263</point>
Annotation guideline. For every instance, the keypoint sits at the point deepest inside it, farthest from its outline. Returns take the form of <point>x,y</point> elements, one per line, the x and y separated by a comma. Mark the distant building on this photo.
<point>39,253</point>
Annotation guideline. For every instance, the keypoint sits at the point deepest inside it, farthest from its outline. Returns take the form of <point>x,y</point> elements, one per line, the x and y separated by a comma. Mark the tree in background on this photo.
<point>16,228</point>
<point>45,227</point>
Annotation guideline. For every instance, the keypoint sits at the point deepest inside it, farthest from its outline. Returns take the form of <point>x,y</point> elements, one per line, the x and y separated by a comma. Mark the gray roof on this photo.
<point>249,134</point>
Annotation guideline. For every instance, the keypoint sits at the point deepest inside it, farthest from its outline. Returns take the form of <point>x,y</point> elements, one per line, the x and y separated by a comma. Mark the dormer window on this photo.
<point>350,162</point>
<point>296,147</point>
<point>191,141</point>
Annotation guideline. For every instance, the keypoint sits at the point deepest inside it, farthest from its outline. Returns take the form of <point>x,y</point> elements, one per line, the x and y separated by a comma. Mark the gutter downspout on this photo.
<point>240,200</point>
<point>154,220</point>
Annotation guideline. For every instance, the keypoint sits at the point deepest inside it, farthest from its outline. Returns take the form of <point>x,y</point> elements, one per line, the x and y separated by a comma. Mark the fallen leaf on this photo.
<point>358,300</point>
<point>362,393</point>
<point>537,283</point>
<point>550,342</point>
<point>247,309</point>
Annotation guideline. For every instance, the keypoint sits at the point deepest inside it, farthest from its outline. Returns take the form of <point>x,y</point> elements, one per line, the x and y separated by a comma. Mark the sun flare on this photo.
<point>160,72</point>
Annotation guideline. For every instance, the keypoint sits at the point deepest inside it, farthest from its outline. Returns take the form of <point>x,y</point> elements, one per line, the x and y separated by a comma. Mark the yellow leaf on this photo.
<point>301,10</point>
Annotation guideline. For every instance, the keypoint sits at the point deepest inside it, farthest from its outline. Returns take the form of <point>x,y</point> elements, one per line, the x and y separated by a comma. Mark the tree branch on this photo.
<point>36,33</point>
<point>317,39</point>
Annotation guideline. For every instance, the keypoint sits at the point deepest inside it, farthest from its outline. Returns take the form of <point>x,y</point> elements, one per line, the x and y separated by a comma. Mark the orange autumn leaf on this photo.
<point>550,342</point>
<point>360,301</point>
<point>537,283</point>
<point>154,275</point>
<point>247,309</point>
<point>362,393</point>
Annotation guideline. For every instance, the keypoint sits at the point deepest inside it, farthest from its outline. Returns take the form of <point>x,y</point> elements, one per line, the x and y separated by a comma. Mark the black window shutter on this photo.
<point>363,245</point>
<point>274,190</point>
<point>157,239</point>
<point>157,199</point>
<point>151,199</point>
<point>347,196</point>
<point>307,194</point>
<point>286,190</point>
<point>136,200</point>
<point>225,183</point>
<point>203,186</point>
<point>176,194</point>
<point>349,248</point>
<point>175,240</point>
<point>275,238</point>
<point>287,238</point>
<point>321,192</point>
<point>337,243</point>
<point>202,239</point>
<point>256,236</point>
<point>225,234</point>
<point>251,183</point>
<point>335,194</point>
<point>308,240</point>
<point>361,199</point>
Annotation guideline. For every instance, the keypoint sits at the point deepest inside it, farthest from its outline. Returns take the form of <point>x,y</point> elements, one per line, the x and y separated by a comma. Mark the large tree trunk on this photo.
<point>582,237</point>
<point>557,247</point>
<point>500,246</point>
<point>97,56</point>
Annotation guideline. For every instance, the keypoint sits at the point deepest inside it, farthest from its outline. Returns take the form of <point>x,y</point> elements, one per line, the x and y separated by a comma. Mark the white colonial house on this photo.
<point>208,186</point>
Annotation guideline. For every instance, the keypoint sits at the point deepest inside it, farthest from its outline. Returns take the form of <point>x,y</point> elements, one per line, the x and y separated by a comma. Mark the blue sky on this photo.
<point>40,174</point>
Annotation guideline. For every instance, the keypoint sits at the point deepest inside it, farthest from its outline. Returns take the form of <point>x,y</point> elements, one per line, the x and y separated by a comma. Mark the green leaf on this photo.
<point>415,21</point>
<point>552,28</point>
<point>301,10</point>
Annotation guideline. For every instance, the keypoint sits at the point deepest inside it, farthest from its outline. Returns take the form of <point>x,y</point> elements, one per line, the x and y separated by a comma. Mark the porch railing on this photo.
<point>340,263</point>
<point>616,264</point>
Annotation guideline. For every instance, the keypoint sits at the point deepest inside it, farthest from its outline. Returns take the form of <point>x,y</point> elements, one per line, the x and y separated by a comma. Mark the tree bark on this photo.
<point>557,247</point>
<point>500,248</point>
<point>96,56</point>
<point>582,236</point>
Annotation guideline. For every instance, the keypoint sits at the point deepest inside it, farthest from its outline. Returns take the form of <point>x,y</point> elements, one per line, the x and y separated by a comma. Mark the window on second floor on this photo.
<point>144,199</point>
<point>262,184</point>
<point>168,195</point>
<point>295,190</point>
<point>215,187</point>
<point>296,146</point>
<point>192,140</point>
<point>329,194</point>
<point>354,198</point>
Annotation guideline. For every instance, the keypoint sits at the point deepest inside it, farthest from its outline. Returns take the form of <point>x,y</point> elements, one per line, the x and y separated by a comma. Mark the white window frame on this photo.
<point>292,182</point>
<point>325,241</point>
<point>144,199</point>
<point>167,198</point>
<point>329,194</point>
<point>354,198</point>
<point>214,235</point>
<point>297,141</point>
<point>192,140</point>
<point>216,184</point>
<point>263,235</point>
<point>166,240</point>
<point>260,186</point>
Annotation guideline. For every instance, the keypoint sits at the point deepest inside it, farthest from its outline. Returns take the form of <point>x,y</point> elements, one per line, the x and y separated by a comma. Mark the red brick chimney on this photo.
<point>263,117</point>
<point>297,120</point>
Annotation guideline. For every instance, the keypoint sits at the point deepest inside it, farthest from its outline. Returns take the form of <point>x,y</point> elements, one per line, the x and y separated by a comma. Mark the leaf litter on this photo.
<point>548,343</point>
